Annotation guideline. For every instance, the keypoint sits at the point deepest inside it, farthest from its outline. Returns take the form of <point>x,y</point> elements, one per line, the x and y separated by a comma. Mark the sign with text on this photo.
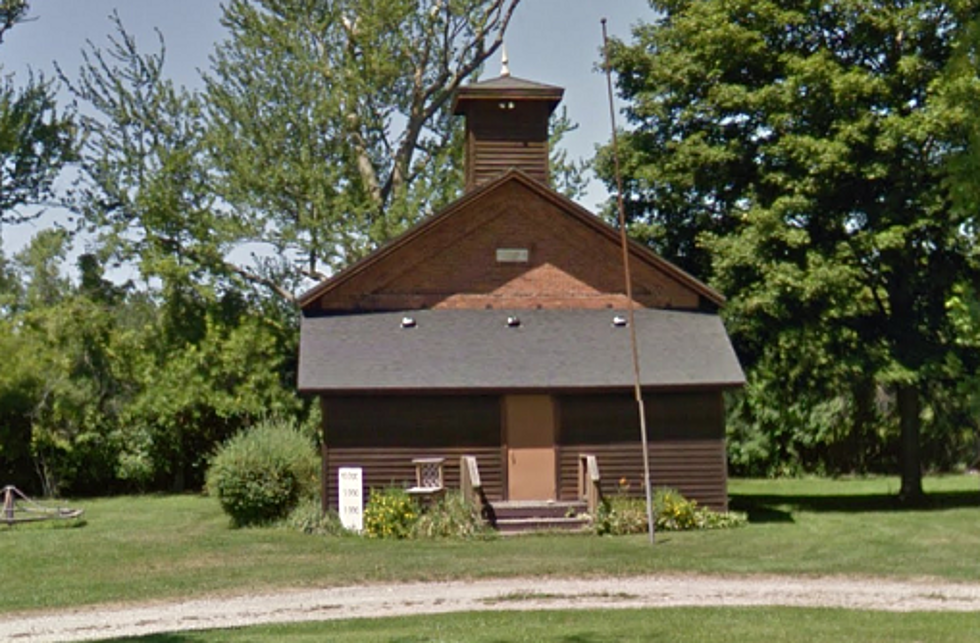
<point>351,496</point>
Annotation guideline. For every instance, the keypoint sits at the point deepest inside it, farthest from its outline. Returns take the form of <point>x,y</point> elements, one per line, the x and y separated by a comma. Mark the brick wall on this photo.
<point>454,264</point>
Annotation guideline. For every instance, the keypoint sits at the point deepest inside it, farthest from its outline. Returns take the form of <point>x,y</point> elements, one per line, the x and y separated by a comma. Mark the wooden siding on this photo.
<point>382,434</point>
<point>499,139</point>
<point>686,438</point>
<point>696,468</point>
<point>392,466</point>
<point>492,158</point>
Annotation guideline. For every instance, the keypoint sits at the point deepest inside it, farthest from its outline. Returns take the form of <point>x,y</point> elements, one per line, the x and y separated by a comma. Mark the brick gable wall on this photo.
<point>454,264</point>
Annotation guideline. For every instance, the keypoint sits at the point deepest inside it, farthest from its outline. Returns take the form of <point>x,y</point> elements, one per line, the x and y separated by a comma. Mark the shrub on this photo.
<point>451,517</point>
<point>260,474</point>
<point>621,515</point>
<point>674,512</point>
<point>390,513</point>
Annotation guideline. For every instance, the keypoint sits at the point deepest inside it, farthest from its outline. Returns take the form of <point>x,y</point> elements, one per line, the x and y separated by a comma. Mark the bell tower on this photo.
<point>506,126</point>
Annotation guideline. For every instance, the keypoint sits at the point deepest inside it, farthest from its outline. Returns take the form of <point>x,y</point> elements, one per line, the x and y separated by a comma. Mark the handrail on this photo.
<point>472,489</point>
<point>589,481</point>
<point>469,480</point>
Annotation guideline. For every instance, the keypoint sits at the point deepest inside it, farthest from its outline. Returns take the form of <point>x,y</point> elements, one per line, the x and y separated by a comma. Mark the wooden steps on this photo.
<point>526,516</point>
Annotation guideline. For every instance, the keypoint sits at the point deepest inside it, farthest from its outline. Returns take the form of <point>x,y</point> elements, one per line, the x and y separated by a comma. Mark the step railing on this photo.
<point>589,480</point>
<point>472,489</point>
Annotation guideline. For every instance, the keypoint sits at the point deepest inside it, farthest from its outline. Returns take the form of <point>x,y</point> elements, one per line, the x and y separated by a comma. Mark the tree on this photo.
<point>35,140</point>
<point>798,154</point>
<point>11,12</point>
<point>324,130</point>
<point>329,118</point>
<point>144,191</point>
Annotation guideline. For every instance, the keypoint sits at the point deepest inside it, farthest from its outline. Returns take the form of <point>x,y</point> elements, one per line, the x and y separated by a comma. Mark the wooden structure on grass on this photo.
<point>18,508</point>
<point>495,329</point>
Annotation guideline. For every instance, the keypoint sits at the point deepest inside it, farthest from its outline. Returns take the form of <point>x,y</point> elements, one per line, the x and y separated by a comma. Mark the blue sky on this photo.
<point>551,41</point>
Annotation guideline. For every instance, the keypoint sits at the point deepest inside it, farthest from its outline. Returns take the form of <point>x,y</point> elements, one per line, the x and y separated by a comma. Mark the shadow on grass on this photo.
<point>39,525</point>
<point>779,508</point>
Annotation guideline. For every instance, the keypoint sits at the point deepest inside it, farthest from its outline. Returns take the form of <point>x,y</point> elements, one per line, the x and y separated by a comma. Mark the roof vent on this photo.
<point>408,322</point>
<point>513,322</point>
<point>619,320</point>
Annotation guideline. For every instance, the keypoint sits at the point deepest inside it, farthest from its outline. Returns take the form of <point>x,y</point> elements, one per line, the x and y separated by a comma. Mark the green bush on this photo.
<point>390,513</point>
<point>260,474</point>
<point>621,515</point>
<point>451,517</point>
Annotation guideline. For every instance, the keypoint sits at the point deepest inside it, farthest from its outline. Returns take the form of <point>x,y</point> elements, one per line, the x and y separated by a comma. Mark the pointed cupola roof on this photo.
<point>506,87</point>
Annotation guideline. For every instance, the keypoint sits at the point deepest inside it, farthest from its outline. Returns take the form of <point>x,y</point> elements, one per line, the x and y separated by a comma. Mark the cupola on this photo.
<point>506,126</point>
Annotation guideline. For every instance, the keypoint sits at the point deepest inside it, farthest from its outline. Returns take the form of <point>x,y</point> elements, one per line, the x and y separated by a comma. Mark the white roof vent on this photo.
<point>408,322</point>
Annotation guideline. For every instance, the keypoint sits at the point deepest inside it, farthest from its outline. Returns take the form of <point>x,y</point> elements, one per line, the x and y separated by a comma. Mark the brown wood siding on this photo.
<point>392,466</point>
<point>498,139</point>
<point>696,468</point>
<point>492,158</point>
<point>687,446</point>
<point>382,434</point>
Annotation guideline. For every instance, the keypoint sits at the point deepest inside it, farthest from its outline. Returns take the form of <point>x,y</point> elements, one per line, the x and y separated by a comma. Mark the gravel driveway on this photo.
<point>372,601</point>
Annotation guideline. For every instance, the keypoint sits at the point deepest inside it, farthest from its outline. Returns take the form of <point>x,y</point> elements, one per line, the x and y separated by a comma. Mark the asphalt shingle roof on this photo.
<point>476,349</point>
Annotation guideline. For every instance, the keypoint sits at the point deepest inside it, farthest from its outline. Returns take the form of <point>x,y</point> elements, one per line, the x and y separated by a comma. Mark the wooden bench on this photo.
<point>429,482</point>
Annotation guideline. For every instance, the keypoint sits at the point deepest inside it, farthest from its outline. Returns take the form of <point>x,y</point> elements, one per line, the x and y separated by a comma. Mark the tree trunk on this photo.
<point>910,457</point>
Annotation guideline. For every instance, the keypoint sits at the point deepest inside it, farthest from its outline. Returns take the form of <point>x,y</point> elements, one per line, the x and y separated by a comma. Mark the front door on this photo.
<point>529,429</point>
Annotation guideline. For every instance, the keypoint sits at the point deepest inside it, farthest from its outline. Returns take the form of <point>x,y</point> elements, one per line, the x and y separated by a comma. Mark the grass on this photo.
<point>158,547</point>
<point>680,625</point>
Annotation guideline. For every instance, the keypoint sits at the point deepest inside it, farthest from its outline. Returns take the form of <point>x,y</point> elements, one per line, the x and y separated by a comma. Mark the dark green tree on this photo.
<point>798,153</point>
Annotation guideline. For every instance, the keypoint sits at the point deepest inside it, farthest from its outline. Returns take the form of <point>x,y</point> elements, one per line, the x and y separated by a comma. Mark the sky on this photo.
<point>551,41</point>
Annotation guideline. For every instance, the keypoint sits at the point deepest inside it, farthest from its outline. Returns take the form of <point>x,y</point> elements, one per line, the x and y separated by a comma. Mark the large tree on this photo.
<point>330,119</point>
<point>323,131</point>
<point>798,153</point>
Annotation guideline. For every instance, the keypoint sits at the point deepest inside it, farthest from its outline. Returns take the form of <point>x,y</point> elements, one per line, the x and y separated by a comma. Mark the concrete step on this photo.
<point>537,509</point>
<point>523,516</point>
<point>515,526</point>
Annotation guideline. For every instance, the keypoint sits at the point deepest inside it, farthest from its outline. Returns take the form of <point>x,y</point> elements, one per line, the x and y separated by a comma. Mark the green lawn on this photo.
<point>152,547</point>
<point>749,625</point>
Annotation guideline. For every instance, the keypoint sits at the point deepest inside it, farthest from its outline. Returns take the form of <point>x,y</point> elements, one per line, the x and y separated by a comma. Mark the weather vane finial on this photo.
<point>504,68</point>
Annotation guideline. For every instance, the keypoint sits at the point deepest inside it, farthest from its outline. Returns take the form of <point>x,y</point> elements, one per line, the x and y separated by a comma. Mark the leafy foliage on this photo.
<point>451,517</point>
<point>129,386</point>
<point>36,141</point>
<point>622,515</point>
<point>329,121</point>
<point>801,155</point>
<point>390,513</point>
<point>260,474</point>
<point>144,190</point>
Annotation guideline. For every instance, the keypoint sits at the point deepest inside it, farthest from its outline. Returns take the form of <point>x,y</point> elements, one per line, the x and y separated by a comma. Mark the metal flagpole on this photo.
<point>637,389</point>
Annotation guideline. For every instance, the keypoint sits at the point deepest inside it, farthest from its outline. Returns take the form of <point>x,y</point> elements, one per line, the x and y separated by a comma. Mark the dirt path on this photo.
<point>371,601</point>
